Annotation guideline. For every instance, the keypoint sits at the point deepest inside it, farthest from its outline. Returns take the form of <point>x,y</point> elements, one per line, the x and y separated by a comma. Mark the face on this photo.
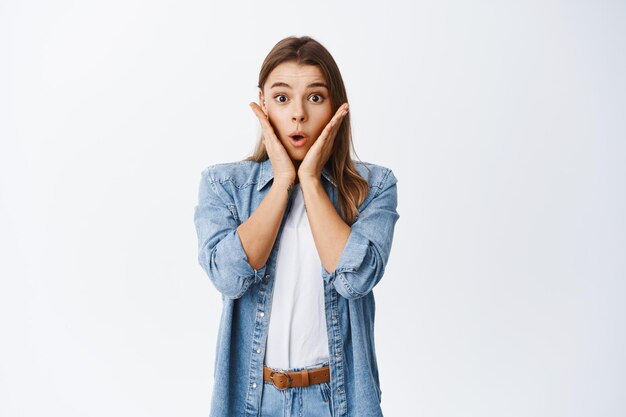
<point>296,97</point>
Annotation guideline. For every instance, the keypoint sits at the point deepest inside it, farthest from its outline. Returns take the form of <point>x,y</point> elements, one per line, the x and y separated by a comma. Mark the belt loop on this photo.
<point>305,377</point>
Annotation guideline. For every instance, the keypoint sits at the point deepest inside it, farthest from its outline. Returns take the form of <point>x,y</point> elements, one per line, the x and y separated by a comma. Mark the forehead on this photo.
<point>295,74</point>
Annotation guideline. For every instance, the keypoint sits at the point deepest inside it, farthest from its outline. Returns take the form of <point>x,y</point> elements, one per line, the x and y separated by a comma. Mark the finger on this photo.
<point>266,126</point>
<point>258,111</point>
<point>339,115</point>
<point>342,110</point>
<point>329,131</point>
<point>330,128</point>
<point>333,125</point>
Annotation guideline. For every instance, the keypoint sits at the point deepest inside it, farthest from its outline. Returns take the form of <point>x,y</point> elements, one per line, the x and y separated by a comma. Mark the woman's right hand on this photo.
<point>281,162</point>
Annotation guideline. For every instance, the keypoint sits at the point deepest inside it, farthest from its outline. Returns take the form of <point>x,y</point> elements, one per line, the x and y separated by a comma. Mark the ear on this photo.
<point>262,101</point>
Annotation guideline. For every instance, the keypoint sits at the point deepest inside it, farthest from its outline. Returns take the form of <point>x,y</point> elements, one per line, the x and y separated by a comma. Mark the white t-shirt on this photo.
<point>297,335</point>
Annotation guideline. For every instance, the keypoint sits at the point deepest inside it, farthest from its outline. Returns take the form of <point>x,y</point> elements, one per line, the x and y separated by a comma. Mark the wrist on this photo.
<point>284,182</point>
<point>304,180</point>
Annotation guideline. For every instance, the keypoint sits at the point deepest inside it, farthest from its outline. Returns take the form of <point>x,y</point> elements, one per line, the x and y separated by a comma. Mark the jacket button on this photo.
<point>262,314</point>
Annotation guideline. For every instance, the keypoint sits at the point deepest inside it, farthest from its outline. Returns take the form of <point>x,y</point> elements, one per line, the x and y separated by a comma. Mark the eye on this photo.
<point>319,98</point>
<point>277,98</point>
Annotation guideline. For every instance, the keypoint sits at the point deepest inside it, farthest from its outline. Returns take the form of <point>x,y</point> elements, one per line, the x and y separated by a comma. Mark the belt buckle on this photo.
<point>289,380</point>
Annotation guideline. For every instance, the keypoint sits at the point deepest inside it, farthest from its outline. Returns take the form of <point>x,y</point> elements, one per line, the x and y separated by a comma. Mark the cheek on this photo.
<point>275,113</point>
<point>327,114</point>
<point>277,121</point>
<point>324,119</point>
<point>272,114</point>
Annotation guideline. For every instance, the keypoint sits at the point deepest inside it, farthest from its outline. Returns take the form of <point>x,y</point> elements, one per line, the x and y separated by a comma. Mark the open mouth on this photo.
<point>298,139</point>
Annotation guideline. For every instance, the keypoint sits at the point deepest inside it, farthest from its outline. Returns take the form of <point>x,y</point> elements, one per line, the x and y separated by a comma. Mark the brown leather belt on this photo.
<point>304,378</point>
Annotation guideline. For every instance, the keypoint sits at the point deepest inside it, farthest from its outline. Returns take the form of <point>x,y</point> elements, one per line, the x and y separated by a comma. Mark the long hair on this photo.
<point>352,187</point>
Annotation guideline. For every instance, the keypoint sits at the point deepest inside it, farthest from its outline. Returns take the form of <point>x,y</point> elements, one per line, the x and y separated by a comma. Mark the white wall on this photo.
<point>503,121</point>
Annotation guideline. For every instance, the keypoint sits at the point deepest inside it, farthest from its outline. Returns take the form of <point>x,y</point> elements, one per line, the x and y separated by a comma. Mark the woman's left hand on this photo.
<point>317,156</point>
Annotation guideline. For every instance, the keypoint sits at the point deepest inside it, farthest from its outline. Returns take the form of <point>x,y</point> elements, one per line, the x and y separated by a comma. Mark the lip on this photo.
<point>301,142</point>
<point>298,132</point>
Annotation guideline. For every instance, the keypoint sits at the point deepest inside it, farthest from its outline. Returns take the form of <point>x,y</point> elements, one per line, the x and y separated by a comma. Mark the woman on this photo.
<point>295,237</point>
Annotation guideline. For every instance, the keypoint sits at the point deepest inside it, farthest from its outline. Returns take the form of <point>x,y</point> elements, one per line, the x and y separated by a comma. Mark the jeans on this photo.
<point>311,401</point>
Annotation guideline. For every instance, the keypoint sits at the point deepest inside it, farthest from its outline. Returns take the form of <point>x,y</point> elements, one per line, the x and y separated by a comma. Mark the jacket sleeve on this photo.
<point>220,252</point>
<point>362,262</point>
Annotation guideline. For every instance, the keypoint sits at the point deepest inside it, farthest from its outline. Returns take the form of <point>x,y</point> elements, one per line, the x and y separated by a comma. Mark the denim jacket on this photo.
<point>228,194</point>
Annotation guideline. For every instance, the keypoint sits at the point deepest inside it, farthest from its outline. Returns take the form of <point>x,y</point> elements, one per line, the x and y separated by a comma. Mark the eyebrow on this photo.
<point>316,84</point>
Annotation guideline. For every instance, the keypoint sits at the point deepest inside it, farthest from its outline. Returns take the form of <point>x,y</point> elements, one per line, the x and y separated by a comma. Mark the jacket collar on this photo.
<point>266,173</point>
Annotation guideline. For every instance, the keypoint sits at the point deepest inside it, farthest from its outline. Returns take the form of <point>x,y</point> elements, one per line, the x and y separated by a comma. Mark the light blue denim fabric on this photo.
<point>228,194</point>
<point>311,401</point>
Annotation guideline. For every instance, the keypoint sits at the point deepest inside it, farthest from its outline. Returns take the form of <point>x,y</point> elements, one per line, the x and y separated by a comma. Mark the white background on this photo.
<point>504,123</point>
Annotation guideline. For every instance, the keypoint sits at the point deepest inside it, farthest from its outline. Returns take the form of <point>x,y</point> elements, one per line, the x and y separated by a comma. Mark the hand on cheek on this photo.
<point>319,153</point>
<point>280,160</point>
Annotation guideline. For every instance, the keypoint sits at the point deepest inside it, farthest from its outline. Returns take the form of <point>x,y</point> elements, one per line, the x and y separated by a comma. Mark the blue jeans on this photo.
<point>311,401</point>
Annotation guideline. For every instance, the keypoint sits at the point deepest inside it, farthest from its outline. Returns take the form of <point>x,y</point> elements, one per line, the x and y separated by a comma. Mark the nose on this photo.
<point>299,114</point>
